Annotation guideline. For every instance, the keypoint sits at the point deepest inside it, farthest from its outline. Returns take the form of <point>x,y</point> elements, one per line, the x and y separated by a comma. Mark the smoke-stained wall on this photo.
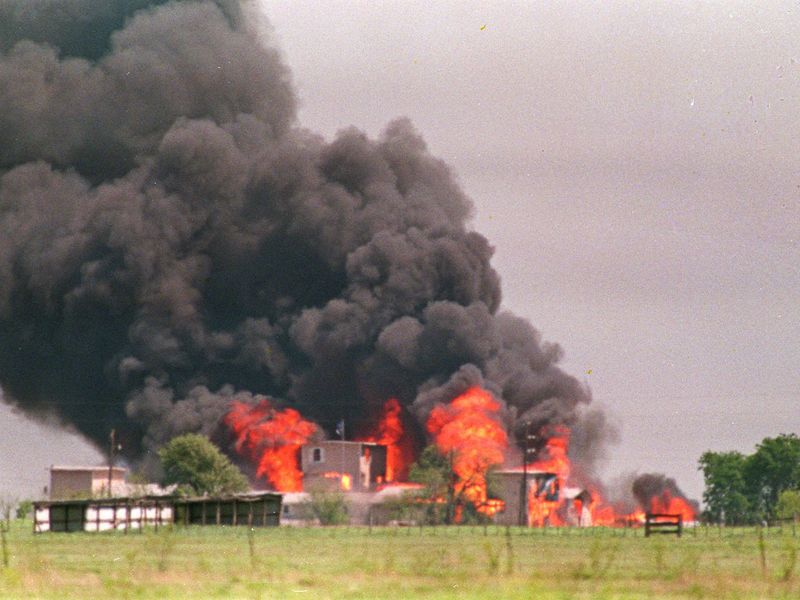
<point>171,239</point>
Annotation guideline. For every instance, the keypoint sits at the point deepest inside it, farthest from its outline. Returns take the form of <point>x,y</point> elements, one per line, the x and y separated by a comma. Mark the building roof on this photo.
<point>392,491</point>
<point>242,497</point>
<point>571,493</point>
<point>81,468</point>
<point>343,443</point>
<point>296,497</point>
<point>520,471</point>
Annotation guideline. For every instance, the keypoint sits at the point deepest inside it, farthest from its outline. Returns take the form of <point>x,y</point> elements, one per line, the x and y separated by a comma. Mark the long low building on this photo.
<point>123,514</point>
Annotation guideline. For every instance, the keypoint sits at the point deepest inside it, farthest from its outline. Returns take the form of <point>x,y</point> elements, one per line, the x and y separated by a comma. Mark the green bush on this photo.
<point>24,508</point>
<point>788,506</point>
<point>329,507</point>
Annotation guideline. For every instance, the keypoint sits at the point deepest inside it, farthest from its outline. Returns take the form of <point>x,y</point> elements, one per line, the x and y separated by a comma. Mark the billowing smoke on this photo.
<point>171,239</point>
<point>656,492</point>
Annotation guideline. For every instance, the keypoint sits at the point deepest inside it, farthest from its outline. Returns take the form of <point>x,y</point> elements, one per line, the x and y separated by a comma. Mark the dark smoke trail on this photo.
<point>171,239</point>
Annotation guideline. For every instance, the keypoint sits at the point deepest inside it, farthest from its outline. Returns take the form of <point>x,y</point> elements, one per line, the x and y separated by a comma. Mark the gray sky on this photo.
<point>635,166</point>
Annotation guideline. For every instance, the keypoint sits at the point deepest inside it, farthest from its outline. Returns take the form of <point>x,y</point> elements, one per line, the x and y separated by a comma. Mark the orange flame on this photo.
<point>666,503</point>
<point>468,431</point>
<point>399,452</point>
<point>602,514</point>
<point>555,459</point>
<point>492,506</point>
<point>547,504</point>
<point>345,481</point>
<point>271,438</point>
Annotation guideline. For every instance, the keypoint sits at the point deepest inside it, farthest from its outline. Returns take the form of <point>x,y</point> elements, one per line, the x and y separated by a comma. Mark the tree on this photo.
<point>442,491</point>
<point>435,473</point>
<point>724,494</point>
<point>773,468</point>
<point>24,508</point>
<point>6,504</point>
<point>433,470</point>
<point>743,488</point>
<point>198,467</point>
<point>788,506</point>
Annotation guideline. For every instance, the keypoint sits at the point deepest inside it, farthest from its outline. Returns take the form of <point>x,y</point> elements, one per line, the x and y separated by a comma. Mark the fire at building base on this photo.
<point>472,475</point>
<point>356,471</point>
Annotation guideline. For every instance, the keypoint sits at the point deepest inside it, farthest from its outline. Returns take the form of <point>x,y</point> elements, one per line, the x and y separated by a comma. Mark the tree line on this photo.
<point>751,488</point>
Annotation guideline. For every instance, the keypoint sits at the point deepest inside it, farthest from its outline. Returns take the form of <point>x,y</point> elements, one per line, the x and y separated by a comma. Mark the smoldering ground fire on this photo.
<point>175,246</point>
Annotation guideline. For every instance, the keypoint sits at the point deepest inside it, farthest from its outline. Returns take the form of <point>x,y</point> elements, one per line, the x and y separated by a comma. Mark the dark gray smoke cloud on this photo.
<point>655,485</point>
<point>171,239</point>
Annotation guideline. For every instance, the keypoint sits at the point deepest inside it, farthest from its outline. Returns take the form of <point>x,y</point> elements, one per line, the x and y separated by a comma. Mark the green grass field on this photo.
<point>398,563</point>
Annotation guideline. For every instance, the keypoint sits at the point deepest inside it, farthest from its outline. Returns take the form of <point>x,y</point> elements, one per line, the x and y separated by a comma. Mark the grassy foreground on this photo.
<point>398,563</point>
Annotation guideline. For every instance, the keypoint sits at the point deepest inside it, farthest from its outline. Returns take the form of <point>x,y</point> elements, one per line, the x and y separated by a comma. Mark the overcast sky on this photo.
<point>635,166</point>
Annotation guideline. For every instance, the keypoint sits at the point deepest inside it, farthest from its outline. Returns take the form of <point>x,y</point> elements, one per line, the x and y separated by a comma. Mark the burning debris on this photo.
<point>177,254</point>
<point>659,494</point>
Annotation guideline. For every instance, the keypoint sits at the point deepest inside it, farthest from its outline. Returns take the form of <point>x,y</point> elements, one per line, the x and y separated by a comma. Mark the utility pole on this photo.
<point>111,448</point>
<point>340,431</point>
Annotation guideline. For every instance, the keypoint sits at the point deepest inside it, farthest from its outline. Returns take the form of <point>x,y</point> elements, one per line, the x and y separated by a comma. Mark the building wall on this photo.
<point>508,485</point>
<point>100,481</point>
<point>70,484</point>
<point>66,483</point>
<point>260,511</point>
<point>508,488</point>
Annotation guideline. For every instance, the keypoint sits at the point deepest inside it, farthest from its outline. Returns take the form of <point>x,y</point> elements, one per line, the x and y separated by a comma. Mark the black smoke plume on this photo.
<point>172,239</point>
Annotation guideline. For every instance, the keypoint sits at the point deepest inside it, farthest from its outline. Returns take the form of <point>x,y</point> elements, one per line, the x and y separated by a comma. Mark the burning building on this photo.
<point>178,254</point>
<point>340,465</point>
<point>536,499</point>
